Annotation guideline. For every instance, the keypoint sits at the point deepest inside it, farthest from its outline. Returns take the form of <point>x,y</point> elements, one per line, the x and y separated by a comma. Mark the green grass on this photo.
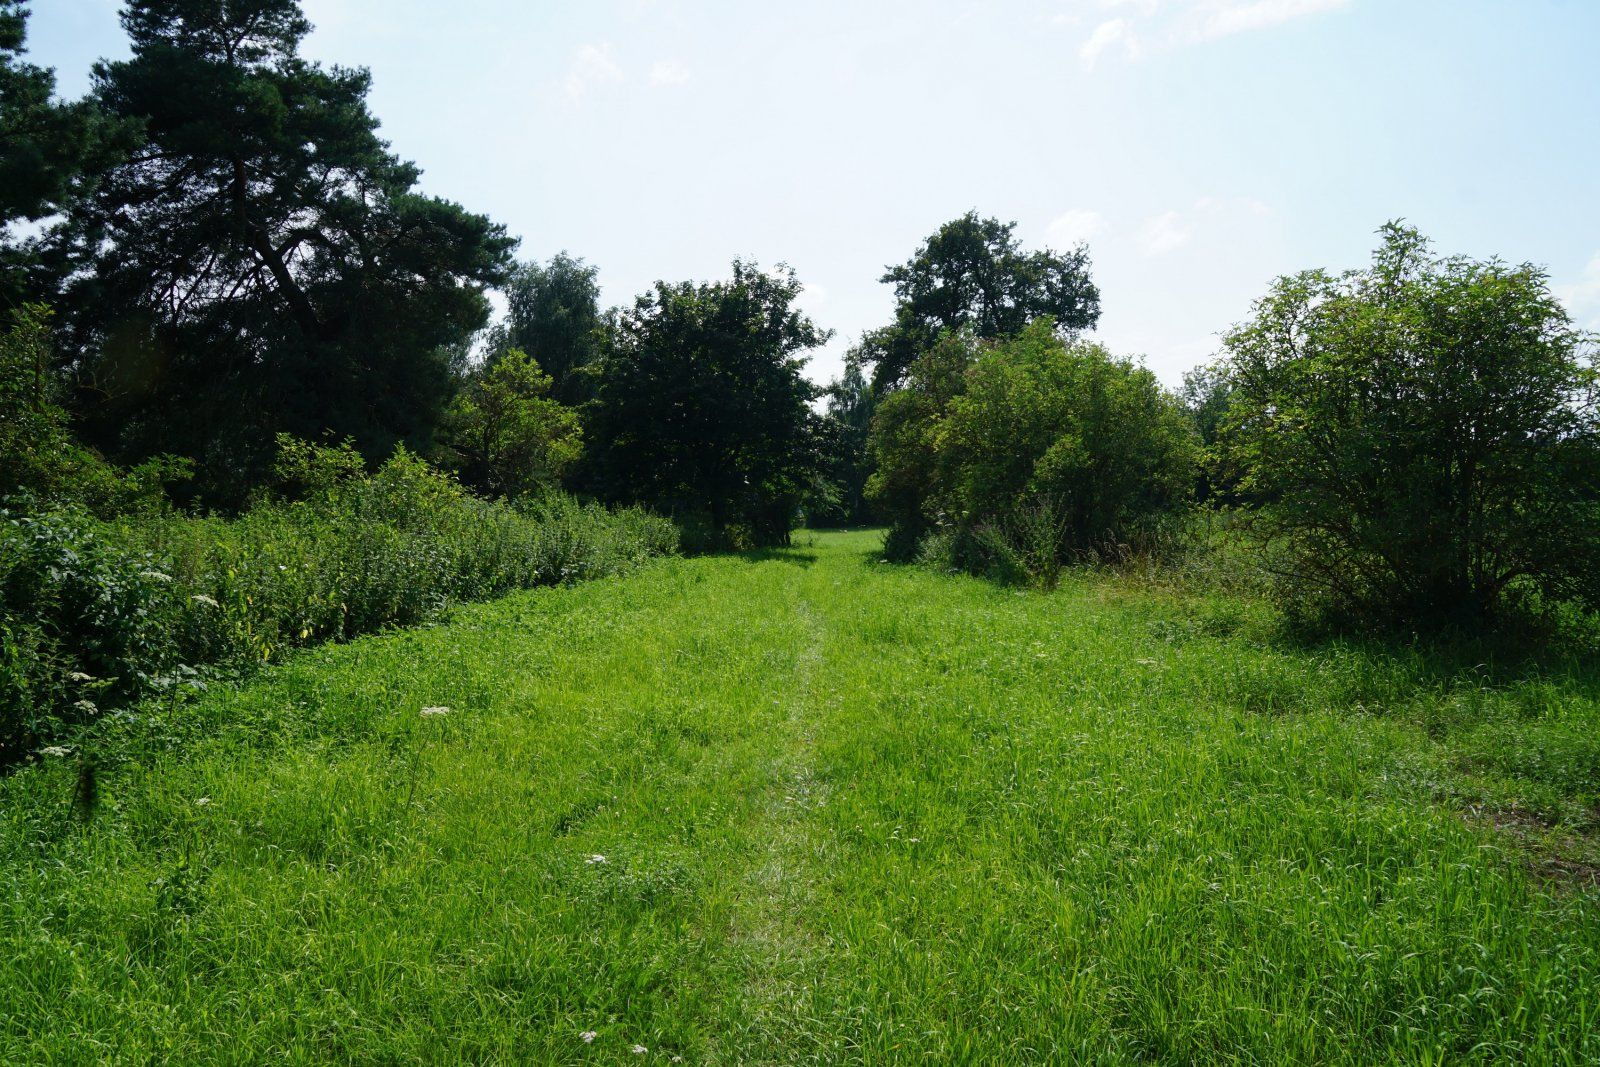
<point>850,812</point>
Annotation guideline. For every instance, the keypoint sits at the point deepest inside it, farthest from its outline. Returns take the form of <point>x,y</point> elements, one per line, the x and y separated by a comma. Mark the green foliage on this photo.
<point>840,498</point>
<point>50,151</point>
<point>553,314</point>
<point>972,275</point>
<point>1423,436</point>
<point>306,470</point>
<point>1207,394</point>
<point>703,408</point>
<point>40,460</point>
<point>263,259</point>
<point>131,603</point>
<point>1035,451</point>
<point>849,813</point>
<point>83,625</point>
<point>504,436</point>
<point>906,478</point>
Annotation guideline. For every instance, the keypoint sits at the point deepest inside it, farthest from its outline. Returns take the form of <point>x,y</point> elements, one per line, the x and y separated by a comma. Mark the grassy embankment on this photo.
<point>846,811</point>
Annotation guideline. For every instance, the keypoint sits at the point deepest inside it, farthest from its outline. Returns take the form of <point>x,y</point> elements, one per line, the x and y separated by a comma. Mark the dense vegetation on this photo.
<point>97,614</point>
<point>1029,451</point>
<point>703,407</point>
<point>1296,762</point>
<point>1423,437</point>
<point>804,807</point>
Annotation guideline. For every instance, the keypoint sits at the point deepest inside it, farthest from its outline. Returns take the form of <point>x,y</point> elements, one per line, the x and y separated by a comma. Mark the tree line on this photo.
<point>215,252</point>
<point>223,251</point>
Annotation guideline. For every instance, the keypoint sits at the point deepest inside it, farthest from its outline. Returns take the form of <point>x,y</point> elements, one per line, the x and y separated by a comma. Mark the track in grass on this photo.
<point>804,807</point>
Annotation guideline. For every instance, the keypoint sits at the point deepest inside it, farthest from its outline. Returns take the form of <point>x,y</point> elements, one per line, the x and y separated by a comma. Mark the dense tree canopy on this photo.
<point>973,275</point>
<point>1071,428</point>
<point>553,314</point>
<point>1208,395</point>
<point>504,434</point>
<point>1423,434</point>
<point>703,409</point>
<point>49,150</point>
<point>262,263</point>
<point>850,405</point>
<point>903,444</point>
<point>1035,447</point>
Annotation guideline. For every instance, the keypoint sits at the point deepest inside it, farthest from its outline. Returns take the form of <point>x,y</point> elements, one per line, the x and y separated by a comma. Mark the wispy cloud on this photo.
<point>1134,27</point>
<point>1223,19</point>
<point>592,65</point>
<point>667,72</point>
<point>1107,35</point>
<point>1163,233</point>
<point>1072,227</point>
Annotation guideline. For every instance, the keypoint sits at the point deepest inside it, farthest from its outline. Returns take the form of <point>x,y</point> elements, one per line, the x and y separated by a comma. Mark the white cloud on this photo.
<point>1163,233</point>
<point>667,72</point>
<point>593,65</point>
<point>1074,226</point>
<point>1106,35</point>
<point>1582,297</point>
<point>1223,19</point>
<point>1138,26</point>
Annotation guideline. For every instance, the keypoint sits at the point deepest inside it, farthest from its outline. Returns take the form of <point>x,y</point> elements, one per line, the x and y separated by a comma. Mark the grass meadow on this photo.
<point>801,806</point>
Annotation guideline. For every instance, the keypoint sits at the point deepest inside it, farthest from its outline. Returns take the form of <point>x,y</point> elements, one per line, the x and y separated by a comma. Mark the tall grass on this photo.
<point>848,813</point>
<point>97,614</point>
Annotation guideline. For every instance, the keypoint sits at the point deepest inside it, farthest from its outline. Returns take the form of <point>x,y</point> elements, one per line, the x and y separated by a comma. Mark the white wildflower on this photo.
<point>596,859</point>
<point>155,576</point>
<point>86,706</point>
<point>55,750</point>
<point>202,598</point>
<point>434,713</point>
<point>639,1050</point>
<point>202,802</point>
<point>588,1036</point>
<point>79,676</point>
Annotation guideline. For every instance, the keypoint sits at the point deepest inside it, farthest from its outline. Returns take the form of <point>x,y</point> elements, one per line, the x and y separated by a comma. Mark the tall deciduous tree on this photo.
<point>850,404</point>
<point>703,408</point>
<point>973,275</point>
<point>505,435</point>
<point>553,314</point>
<point>263,264</point>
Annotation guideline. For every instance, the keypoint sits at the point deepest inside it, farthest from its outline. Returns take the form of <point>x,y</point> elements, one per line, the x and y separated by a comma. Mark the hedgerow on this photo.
<point>97,614</point>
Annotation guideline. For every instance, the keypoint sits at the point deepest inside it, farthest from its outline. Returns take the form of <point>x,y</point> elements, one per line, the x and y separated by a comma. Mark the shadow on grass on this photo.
<point>796,555</point>
<point>1498,658</point>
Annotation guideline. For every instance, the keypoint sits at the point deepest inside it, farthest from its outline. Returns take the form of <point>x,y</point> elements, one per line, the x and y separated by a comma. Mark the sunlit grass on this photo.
<point>847,812</point>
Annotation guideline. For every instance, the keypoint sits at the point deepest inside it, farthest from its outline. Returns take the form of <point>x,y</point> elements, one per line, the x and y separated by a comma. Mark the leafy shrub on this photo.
<point>504,435</point>
<point>98,613</point>
<point>1423,438</point>
<point>1043,452</point>
<point>906,478</point>
<point>40,460</point>
<point>82,624</point>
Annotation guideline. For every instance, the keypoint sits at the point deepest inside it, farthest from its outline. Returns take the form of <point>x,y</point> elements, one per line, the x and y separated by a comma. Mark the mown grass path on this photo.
<point>791,807</point>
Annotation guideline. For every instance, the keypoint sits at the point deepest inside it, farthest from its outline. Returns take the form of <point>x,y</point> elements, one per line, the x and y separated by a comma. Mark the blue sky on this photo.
<point>1201,147</point>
